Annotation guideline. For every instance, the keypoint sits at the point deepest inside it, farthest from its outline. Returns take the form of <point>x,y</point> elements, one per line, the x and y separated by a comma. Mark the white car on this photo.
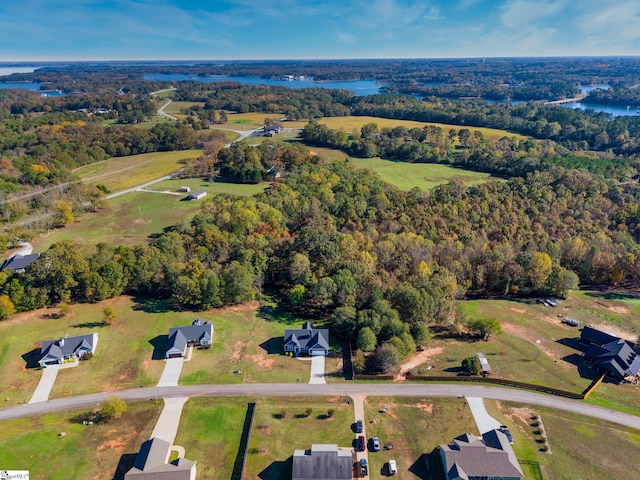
<point>393,468</point>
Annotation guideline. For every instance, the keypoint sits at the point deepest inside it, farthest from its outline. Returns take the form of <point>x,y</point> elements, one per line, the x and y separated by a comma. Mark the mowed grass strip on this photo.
<point>274,437</point>
<point>210,431</point>
<point>581,447</point>
<point>120,173</point>
<point>91,451</point>
<point>425,176</point>
<point>415,427</point>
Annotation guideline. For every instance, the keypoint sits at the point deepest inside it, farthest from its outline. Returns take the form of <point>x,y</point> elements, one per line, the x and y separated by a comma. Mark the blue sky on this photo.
<point>285,29</point>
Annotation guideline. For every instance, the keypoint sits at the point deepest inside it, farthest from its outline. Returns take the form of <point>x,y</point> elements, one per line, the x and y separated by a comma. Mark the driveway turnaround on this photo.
<point>167,424</point>
<point>317,370</point>
<point>171,372</point>
<point>45,385</point>
<point>484,421</point>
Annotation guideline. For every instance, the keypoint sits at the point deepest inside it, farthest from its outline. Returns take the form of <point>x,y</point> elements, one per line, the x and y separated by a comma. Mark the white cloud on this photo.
<point>346,37</point>
<point>612,23</point>
<point>464,4</point>
<point>516,13</point>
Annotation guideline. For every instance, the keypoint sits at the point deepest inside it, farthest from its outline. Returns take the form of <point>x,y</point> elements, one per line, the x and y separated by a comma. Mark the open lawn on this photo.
<point>355,123</point>
<point>92,451</point>
<point>176,107</point>
<point>130,352</point>
<point>425,176</point>
<point>136,217</point>
<point>581,447</point>
<point>414,426</point>
<point>210,431</point>
<point>274,438</point>
<point>120,173</point>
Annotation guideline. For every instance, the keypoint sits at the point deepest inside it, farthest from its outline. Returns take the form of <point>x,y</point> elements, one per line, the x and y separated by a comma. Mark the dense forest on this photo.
<point>337,242</point>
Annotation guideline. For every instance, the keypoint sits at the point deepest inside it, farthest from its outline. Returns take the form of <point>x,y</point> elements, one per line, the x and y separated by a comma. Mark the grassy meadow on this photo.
<point>414,426</point>
<point>274,438</point>
<point>120,173</point>
<point>131,350</point>
<point>92,451</point>
<point>425,176</point>
<point>136,217</point>
<point>577,443</point>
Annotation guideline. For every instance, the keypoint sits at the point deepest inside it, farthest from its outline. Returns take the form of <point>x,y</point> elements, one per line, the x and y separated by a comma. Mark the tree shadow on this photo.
<point>124,465</point>
<point>615,295</point>
<point>159,344</point>
<point>90,324</point>
<point>276,314</point>
<point>273,345</point>
<point>457,370</point>
<point>278,470</point>
<point>31,358</point>
<point>153,305</point>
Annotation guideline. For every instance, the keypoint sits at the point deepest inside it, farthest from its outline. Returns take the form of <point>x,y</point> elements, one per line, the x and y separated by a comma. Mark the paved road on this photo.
<point>484,421</point>
<point>332,389</point>
<point>163,113</point>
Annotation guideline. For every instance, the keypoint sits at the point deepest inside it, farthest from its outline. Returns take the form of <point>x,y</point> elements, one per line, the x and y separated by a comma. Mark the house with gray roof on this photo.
<point>323,462</point>
<point>470,457</point>
<point>199,333</point>
<point>19,263</point>
<point>151,464</point>
<point>55,352</point>
<point>307,340</point>
<point>609,354</point>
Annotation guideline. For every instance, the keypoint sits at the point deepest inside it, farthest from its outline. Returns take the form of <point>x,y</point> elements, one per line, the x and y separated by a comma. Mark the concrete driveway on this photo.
<point>484,421</point>
<point>317,370</point>
<point>171,372</point>
<point>358,412</point>
<point>45,385</point>
<point>167,425</point>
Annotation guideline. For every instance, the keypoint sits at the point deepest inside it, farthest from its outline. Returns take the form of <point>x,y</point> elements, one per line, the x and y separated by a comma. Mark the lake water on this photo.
<point>359,87</point>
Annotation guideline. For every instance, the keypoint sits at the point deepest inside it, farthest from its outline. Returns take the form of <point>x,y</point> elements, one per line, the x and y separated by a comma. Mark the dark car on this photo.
<point>364,469</point>
<point>505,430</point>
<point>375,444</point>
<point>361,444</point>
<point>359,426</point>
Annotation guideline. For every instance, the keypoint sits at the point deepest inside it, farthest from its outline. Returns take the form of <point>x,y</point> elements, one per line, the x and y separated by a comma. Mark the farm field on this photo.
<point>93,451</point>
<point>120,173</point>
<point>134,218</point>
<point>130,351</point>
<point>175,108</point>
<point>414,426</point>
<point>274,438</point>
<point>425,176</point>
<point>577,443</point>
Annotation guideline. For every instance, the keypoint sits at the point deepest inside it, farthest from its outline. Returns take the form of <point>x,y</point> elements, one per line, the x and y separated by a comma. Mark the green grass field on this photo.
<point>274,439</point>
<point>414,426</point>
<point>92,451</point>
<point>425,176</point>
<point>581,447</point>
<point>120,173</point>
<point>132,218</point>
<point>177,107</point>
<point>245,339</point>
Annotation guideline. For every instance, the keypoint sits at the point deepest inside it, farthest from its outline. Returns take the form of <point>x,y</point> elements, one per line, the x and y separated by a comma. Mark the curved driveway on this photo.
<point>294,389</point>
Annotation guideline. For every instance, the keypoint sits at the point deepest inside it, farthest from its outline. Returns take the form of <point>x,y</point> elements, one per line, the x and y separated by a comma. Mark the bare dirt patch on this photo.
<point>518,310</point>
<point>618,332</point>
<point>418,359</point>
<point>530,336</point>
<point>243,307</point>
<point>425,407</point>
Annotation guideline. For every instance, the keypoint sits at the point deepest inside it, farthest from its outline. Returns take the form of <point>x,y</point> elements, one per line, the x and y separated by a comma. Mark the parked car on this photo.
<point>393,468</point>
<point>361,444</point>
<point>364,469</point>
<point>375,444</point>
<point>505,430</point>
<point>359,426</point>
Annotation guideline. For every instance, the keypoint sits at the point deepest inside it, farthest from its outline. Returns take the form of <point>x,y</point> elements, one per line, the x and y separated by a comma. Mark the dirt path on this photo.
<point>417,359</point>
